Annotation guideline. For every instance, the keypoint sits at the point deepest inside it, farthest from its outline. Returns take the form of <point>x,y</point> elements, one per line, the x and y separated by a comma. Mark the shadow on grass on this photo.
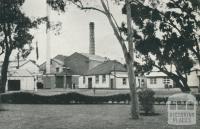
<point>3,110</point>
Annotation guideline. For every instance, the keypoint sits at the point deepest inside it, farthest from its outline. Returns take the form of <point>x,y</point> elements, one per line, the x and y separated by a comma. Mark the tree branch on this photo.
<point>82,7</point>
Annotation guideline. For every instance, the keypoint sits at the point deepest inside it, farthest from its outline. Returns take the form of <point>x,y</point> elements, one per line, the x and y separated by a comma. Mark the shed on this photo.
<point>19,80</point>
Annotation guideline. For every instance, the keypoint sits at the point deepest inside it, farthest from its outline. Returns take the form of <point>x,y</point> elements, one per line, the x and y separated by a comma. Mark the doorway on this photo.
<point>13,85</point>
<point>111,83</point>
<point>59,81</point>
<point>89,83</point>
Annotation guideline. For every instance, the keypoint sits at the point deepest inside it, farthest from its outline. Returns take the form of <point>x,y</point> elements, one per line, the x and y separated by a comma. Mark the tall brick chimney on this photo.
<point>92,42</point>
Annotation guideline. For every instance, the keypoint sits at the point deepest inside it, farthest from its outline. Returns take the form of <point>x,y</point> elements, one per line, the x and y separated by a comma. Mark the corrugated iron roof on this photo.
<point>14,63</point>
<point>155,74</point>
<point>19,73</point>
<point>94,57</point>
<point>107,67</point>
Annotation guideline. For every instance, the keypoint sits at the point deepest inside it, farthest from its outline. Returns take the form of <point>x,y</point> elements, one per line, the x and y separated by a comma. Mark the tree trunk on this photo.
<point>130,66</point>
<point>4,70</point>
<point>184,87</point>
<point>181,82</point>
<point>129,61</point>
<point>133,92</point>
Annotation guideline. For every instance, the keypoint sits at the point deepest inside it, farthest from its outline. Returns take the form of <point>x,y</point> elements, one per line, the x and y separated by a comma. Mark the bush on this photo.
<point>197,97</point>
<point>146,99</point>
<point>40,85</point>
<point>161,100</point>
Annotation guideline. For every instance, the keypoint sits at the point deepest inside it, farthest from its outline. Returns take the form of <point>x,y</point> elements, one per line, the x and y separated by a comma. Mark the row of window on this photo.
<point>97,79</point>
<point>124,80</point>
<point>166,80</point>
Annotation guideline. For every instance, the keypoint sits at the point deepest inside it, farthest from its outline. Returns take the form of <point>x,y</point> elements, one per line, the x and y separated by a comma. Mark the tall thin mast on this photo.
<point>48,42</point>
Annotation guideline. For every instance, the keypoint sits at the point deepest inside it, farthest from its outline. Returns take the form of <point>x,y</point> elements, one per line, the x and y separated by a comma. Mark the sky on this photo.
<point>74,34</point>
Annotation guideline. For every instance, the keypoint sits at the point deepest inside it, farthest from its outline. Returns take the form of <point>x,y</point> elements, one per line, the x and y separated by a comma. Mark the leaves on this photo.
<point>15,25</point>
<point>178,39</point>
<point>58,5</point>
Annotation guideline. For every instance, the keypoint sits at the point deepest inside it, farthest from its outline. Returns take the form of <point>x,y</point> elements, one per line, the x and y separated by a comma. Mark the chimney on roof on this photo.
<point>92,42</point>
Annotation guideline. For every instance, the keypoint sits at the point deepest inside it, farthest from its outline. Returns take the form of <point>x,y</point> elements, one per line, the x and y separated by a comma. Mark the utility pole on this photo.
<point>131,47</point>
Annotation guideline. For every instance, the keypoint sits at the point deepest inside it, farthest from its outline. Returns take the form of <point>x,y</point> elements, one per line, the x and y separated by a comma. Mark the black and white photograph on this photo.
<point>99,64</point>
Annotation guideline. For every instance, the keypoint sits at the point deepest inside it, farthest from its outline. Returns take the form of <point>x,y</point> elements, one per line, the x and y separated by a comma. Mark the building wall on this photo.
<point>53,67</point>
<point>94,84</point>
<point>159,82</point>
<point>193,79</point>
<point>26,83</point>
<point>75,81</point>
<point>30,66</point>
<point>117,77</point>
<point>49,81</point>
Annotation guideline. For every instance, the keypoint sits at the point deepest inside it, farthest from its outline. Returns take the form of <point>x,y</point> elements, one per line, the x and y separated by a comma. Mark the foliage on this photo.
<point>15,33</point>
<point>146,99</point>
<point>68,98</point>
<point>76,98</point>
<point>167,34</point>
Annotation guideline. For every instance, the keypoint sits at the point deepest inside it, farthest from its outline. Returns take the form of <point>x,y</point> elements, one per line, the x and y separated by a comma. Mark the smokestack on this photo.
<point>92,42</point>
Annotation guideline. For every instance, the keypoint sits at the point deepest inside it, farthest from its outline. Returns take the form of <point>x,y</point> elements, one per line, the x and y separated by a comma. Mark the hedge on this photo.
<point>67,98</point>
<point>72,98</point>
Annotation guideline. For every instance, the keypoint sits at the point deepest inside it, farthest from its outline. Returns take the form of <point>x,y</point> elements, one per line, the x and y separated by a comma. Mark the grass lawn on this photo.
<point>82,117</point>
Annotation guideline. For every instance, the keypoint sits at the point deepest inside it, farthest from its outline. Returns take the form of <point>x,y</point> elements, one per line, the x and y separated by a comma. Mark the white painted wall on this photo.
<point>26,83</point>
<point>101,84</point>
<point>30,66</point>
<point>94,84</point>
<point>159,82</point>
<point>117,80</point>
<point>193,79</point>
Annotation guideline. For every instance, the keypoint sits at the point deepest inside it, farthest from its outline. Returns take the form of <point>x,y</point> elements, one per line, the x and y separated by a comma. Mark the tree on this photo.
<point>127,52</point>
<point>14,33</point>
<point>170,36</point>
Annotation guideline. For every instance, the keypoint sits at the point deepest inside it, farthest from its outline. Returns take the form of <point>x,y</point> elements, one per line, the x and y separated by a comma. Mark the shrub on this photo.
<point>146,99</point>
<point>161,100</point>
<point>40,85</point>
<point>197,97</point>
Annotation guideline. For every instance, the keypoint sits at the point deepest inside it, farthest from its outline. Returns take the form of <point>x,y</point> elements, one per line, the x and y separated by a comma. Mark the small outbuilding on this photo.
<point>20,80</point>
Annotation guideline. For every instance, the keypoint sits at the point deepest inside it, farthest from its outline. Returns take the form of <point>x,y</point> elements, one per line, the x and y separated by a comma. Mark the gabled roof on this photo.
<point>19,73</point>
<point>94,57</point>
<point>14,63</point>
<point>155,74</point>
<point>79,63</point>
<point>107,67</point>
<point>60,58</point>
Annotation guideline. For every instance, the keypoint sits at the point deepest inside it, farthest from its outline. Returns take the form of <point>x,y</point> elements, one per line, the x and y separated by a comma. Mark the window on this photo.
<point>166,80</point>
<point>57,69</point>
<point>153,80</point>
<point>124,81</point>
<point>83,79</point>
<point>97,78</point>
<point>103,78</point>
